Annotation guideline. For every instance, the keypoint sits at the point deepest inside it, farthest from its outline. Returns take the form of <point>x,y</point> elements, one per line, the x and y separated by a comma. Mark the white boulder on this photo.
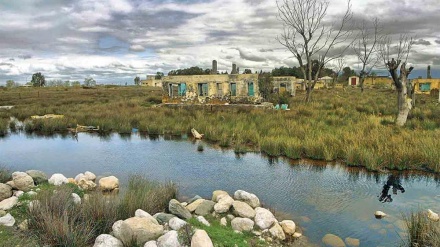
<point>202,220</point>
<point>22,181</point>
<point>7,220</point>
<point>433,216</point>
<point>242,224</point>
<point>106,240</point>
<point>9,203</point>
<point>224,204</point>
<point>201,239</point>
<point>58,179</point>
<point>169,239</point>
<point>264,218</point>
<point>249,198</point>
<point>109,183</point>
<point>176,223</point>
<point>142,214</point>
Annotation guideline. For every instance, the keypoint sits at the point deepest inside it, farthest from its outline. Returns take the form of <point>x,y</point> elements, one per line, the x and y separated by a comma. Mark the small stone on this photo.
<point>433,216</point>
<point>205,208</point>
<point>142,214</point>
<point>277,232</point>
<point>202,220</point>
<point>90,176</point>
<point>223,221</point>
<point>151,243</point>
<point>201,239</point>
<point>288,226</point>
<point>193,206</point>
<point>5,191</point>
<point>379,214</point>
<point>224,204</point>
<point>352,242</point>
<point>39,177</point>
<point>109,183</point>
<point>7,220</point>
<point>230,216</point>
<point>163,218</point>
<point>2,213</point>
<point>217,193</point>
<point>242,224</point>
<point>242,209</point>
<point>176,223</point>
<point>116,229</point>
<point>194,199</point>
<point>18,193</point>
<point>76,198</point>
<point>71,181</point>
<point>9,203</point>
<point>249,198</point>
<point>22,181</point>
<point>58,179</point>
<point>297,235</point>
<point>177,209</point>
<point>31,193</point>
<point>264,218</point>
<point>332,240</point>
<point>106,240</point>
<point>86,184</point>
<point>169,239</point>
<point>79,177</point>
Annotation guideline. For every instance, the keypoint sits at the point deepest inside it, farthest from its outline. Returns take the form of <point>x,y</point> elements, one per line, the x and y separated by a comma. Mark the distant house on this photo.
<point>353,80</point>
<point>151,81</point>
<point>208,89</point>
<point>283,84</point>
<point>426,85</point>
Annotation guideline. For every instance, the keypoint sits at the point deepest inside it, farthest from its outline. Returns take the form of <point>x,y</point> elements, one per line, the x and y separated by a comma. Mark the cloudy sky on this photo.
<point>115,40</point>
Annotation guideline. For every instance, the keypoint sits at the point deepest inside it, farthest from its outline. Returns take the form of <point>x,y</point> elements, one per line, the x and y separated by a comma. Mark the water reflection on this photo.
<point>393,182</point>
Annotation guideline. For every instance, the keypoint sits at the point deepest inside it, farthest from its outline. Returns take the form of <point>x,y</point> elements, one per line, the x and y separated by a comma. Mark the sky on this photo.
<point>114,41</point>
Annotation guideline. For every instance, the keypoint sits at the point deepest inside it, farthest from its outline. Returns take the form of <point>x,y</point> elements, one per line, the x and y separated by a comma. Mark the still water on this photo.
<point>321,198</point>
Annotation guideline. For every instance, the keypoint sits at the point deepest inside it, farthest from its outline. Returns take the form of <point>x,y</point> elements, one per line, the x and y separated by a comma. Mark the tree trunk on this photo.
<point>361,83</point>
<point>405,106</point>
<point>308,93</point>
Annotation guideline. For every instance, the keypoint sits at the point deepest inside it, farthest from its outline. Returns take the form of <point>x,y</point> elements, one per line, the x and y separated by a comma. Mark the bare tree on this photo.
<point>338,65</point>
<point>404,87</point>
<point>308,36</point>
<point>365,48</point>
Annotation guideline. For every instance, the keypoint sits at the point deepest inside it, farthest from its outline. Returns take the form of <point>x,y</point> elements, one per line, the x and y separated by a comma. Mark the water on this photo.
<point>321,198</point>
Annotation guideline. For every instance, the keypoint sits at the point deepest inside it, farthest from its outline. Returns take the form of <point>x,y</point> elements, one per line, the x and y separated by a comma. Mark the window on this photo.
<point>203,89</point>
<point>219,90</point>
<point>251,89</point>
<point>182,89</point>
<point>233,89</point>
<point>425,87</point>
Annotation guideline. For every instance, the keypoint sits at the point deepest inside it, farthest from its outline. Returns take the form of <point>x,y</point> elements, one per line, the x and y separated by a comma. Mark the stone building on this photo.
<point>213,88</point>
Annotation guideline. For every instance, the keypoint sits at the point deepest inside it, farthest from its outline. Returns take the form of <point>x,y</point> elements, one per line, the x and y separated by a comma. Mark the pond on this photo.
<point>322,198</point>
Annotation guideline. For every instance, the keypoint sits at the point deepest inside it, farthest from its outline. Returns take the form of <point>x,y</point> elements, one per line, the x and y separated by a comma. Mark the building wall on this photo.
<point>370,81</point>
<point>213,82</point>
<point>433,84</point>
<point>288,81</point>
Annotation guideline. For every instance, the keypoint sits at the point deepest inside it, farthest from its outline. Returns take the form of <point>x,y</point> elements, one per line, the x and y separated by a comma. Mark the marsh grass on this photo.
<point>421,231</point>
<point>345,125</point>
<point>147,195</point>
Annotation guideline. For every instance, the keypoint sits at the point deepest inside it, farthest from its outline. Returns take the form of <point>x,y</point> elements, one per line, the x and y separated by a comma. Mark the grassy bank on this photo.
<point>420,231</point>
<point>338,125</point>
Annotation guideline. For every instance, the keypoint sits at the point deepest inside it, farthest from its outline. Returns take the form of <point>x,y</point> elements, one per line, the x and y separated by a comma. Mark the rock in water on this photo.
<point>352,242</point>
<point>242,224</point>
<point>217,193</point>
<point>106,240</point>
<point>7,220</point>
<point>379,214</point>
<point>109,183</point>
<point>169,239</point>
<point>22,181</point>
<point>249,198</point>
<point>277,231</point>
<point>332,240</point>
<point>90,176</point>
<point>177,209</point>
<point>140,230</point>
<point>39,177</point>
<point>288,226</point>
<point>58,179</point>
<point>433,216</point>
<point>264,218</point>
<point>201,239</point>
<point>5,191</point>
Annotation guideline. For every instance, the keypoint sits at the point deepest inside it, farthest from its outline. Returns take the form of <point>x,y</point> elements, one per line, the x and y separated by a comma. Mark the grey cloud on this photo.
<point>437,41</point>
<point>422,42</point>
<point>249,56</point>
<point>266,50</point>
<point>24,57</point>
